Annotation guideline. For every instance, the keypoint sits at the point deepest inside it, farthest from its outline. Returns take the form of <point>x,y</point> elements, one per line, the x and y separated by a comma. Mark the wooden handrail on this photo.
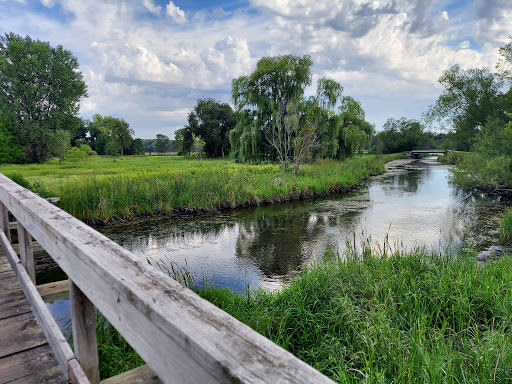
<point>182,337</point>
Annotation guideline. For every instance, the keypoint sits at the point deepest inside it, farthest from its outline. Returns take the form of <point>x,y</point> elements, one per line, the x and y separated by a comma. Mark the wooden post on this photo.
<point>4,221</point>
<point>83,319</point>
<point>26,252</point>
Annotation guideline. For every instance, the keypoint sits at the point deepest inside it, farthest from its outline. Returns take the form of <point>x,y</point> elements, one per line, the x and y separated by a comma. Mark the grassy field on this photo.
<point>105,190</point>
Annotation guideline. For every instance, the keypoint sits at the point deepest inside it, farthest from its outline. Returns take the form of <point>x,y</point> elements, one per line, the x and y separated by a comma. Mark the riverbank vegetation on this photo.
<point>475,102</point>
<point>379,318</point>
<point>405,318</point>
<point>103,191</point>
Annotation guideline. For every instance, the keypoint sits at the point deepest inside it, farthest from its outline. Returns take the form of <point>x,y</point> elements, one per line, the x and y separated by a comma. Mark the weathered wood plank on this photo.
<point>50,328</point>
<point>11,295</point>
<point>54,291</point>
<point>35,247</point>
<point>141,375</point>
<point>76,373</point>
<point>26,252</point>
<point>35,365</point>
<point>19,333</point>
<point>14,308</point>
<point>83,320</point>
<point>181,336</point>
<point>4,221</point>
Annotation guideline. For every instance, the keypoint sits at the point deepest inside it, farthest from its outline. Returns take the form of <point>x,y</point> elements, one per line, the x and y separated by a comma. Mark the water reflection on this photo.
<point>411,205</point>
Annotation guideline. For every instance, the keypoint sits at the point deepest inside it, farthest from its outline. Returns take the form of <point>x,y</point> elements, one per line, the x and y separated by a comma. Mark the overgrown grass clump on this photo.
<point>400,319</point>
<point>113,191</point>
<point>506,227</point>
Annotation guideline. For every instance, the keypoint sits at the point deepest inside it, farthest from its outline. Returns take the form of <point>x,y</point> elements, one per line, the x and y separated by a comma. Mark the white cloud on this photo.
<point>152,70</point>
<point>151,7</point>
<point>176,13</point>
<point>48,3</point>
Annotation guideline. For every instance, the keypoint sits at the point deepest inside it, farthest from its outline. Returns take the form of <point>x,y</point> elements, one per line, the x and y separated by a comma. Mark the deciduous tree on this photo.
<point>40,91</point>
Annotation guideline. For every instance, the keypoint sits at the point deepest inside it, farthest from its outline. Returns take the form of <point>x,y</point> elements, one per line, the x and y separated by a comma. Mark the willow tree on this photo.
<point>265,96</point>
<point>271,106</point>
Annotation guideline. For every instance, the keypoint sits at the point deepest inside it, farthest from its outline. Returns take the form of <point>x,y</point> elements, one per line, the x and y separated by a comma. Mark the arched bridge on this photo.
<point>416,153</point>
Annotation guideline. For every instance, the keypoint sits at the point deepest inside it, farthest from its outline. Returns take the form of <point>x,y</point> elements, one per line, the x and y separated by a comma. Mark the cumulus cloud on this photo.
<point>176,13</point>
<point>153,70</point>
<point>151,7</point>
<point>48,3</point>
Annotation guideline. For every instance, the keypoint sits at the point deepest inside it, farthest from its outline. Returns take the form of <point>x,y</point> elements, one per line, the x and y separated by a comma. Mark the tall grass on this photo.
<point>208,187</point>
<point>506,227</point>
<point>376,318</point>
<point>404,318</point>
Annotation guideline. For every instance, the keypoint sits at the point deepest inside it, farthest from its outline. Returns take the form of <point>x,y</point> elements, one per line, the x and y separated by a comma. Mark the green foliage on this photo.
<point>198,147</point>
<point>402,135</point>
<point>469,99</point>
<point>40,91</point>
<point>212,121</point>
<point>75,155</point>
<point>275,122</point>
<point>137,186</point>
<point>506,227</point>
<point>137,147</point>
<point>112,149</point>
<point>184,141</point>
<point>397,318</point>
<point>162,143</point>
<point>10,152</point>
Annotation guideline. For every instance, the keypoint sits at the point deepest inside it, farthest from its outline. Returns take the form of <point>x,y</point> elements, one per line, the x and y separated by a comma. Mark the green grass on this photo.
<point>367,318</point>
<point>506,227</point>
<point>406,318</point>
<point>136,186</point>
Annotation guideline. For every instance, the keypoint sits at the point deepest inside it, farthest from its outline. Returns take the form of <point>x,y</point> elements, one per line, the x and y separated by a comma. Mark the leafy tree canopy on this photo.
<point>162,143</point>
<point>40,91</point>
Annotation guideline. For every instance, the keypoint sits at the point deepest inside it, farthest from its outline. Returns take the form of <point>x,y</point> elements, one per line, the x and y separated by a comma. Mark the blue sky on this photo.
<point>149,61</point>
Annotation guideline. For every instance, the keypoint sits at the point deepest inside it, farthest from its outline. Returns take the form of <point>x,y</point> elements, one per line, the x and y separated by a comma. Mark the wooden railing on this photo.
<point>183,338</point>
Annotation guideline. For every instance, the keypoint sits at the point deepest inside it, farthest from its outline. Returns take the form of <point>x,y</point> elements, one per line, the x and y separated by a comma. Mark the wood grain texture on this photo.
<point>57,290</point>
<point>83,320</point>
<point>182,337</point>
<point>141,375</point>
<point>4,221</point>
<point>26,252</point>
<point>54,337</point>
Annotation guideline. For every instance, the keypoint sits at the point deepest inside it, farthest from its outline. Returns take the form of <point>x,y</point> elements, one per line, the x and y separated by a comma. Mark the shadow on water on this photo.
<point>412,205</point>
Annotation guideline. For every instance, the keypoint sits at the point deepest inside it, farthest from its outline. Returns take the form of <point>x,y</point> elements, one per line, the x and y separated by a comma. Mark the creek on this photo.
<point>412,205</point>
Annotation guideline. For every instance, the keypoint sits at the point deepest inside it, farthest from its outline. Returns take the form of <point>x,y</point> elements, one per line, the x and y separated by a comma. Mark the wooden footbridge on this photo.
<point>416,153</point>
<point>181,337</point>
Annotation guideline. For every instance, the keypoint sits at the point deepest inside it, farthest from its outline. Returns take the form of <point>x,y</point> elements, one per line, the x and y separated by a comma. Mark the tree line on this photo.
<point>41,88</point>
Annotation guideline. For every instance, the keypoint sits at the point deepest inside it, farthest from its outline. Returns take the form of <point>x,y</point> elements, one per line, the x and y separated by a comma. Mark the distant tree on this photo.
<point>212,121</point>
<point>137,147</point>
<point>400,135</point>
<point>470,97</point>
<point>162,143</point>
<point>75,155</point>
<point>184,140</point>
<point>40,91</point>
<point>120,132</point>
<point>10,152</point>
<point>112,149</point>
<point>198,146</point>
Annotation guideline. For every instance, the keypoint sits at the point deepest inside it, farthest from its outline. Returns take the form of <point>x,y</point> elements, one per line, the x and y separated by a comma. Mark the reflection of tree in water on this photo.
<point>279,240</point>
<point>408,182</point>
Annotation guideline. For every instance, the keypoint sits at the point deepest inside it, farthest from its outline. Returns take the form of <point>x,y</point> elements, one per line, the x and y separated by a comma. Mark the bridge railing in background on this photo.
<point>183,338</point>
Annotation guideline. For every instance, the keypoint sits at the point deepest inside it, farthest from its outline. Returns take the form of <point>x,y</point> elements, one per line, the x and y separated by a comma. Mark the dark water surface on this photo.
<point>411,205</point>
